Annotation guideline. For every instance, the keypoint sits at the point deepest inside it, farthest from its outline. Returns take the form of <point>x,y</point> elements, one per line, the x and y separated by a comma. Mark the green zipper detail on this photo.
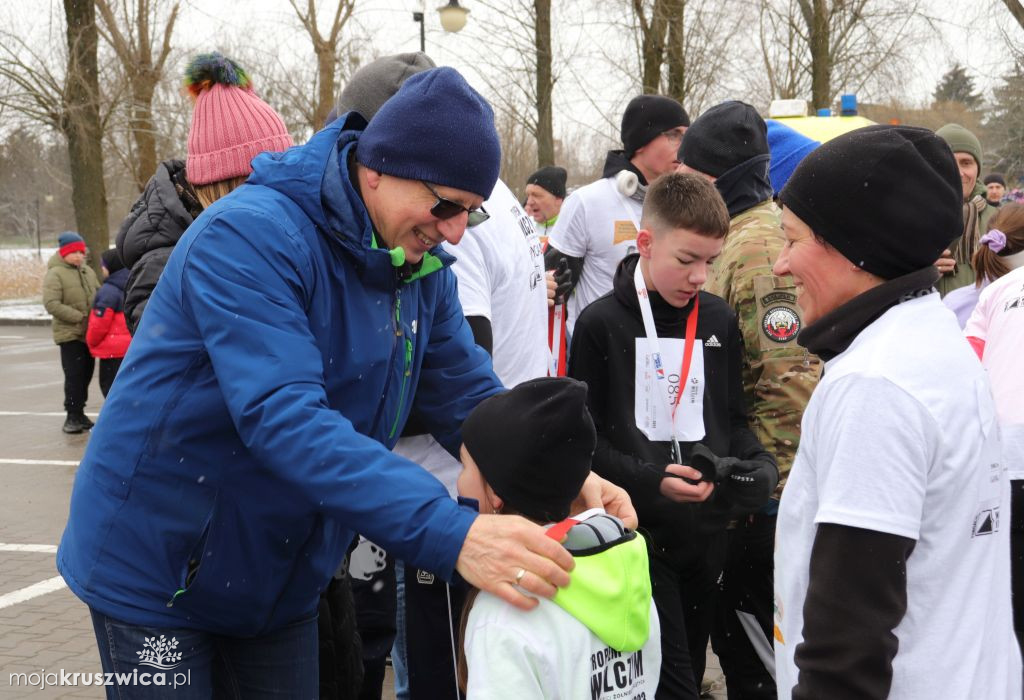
<point>170,603</point>
<point>405,384</point>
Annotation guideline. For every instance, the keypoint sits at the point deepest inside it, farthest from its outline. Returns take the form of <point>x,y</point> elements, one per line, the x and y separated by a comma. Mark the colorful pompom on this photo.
<point>209,69</point>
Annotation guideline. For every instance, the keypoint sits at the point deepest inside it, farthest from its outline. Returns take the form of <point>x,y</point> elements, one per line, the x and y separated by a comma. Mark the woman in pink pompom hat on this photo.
<point>230,126</point>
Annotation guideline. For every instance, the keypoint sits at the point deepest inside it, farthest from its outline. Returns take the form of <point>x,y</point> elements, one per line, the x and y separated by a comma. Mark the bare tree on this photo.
<point>1016,9</point>
<point>142,48</point>
<point>823,46</point>
<point>81,124</point>
<point>684,47</point>
<point>545,84</point>
<point>327,50</point>
<point>652,21</point>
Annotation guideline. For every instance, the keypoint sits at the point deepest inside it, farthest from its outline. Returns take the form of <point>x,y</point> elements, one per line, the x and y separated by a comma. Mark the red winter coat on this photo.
<point>107,335</point>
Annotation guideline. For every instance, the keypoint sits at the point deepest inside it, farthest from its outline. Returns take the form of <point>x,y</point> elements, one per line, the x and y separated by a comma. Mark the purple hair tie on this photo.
<point>995,240</point>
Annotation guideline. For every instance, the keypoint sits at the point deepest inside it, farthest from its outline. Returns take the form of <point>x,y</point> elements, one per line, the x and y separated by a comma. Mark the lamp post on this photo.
<point>418,17</point>
<point>453,19</point>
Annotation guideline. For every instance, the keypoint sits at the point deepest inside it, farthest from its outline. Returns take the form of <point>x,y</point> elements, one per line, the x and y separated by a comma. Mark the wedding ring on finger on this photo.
<point>519,576</point>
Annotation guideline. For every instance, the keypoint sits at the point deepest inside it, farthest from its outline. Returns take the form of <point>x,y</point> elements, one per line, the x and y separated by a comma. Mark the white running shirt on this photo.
<point>900,437</point>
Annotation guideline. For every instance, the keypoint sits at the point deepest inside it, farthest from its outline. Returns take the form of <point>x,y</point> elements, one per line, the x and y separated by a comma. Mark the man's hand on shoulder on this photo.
<point>498,547</point>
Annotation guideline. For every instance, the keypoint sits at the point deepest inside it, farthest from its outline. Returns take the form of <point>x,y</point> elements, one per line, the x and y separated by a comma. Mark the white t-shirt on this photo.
<point>900,437</point>
<point>998,319</point>
<point>599,224</point>
<point>500,269</point>
<point>548,654</point>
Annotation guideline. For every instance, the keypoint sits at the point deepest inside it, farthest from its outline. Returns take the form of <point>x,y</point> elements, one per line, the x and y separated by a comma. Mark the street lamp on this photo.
<point>453,18</point>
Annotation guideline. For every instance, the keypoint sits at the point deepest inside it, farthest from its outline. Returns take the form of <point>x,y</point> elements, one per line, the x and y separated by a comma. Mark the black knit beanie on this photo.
<point>533,445</point>
<point>552,178</point>
<point>723,137</point>
<point>111,260</point>
<point>648,116</point>
<point>887,197</point>
<point>995,177</point>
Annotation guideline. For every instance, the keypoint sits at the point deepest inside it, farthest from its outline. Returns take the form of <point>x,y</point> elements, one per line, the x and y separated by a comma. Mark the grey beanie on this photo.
<point>376,82</point>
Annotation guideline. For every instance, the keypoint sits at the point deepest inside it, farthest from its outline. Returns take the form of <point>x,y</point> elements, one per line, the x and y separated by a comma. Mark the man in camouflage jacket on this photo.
<point>728,144</point>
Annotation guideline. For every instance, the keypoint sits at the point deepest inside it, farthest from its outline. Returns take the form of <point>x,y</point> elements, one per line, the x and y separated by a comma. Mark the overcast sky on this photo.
<point>969,33</point>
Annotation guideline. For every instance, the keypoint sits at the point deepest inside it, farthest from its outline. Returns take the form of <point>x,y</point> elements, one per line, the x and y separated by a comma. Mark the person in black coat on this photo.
<point>147,236</point>
<point>692,463</point>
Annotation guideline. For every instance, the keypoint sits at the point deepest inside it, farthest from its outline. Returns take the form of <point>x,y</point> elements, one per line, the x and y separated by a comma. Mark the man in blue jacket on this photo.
<point>297,323</point>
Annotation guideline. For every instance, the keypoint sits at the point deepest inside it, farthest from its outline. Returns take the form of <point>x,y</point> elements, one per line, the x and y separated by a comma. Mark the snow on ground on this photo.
<point>26,253</point>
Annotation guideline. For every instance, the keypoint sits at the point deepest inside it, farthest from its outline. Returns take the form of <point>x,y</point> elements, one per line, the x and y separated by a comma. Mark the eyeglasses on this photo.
<point>674,135</point>
<point>445,209</point>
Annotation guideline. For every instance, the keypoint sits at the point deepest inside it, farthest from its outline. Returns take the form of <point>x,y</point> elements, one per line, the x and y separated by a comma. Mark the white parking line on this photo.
<point>37,386</point>
<point>34,591</point>
<point>39,413</point>
<point>43,548</point>
<point>58,462</point>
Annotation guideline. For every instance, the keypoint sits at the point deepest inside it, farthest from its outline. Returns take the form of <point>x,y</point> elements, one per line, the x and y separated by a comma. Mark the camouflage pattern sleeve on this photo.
<point>778,374</point>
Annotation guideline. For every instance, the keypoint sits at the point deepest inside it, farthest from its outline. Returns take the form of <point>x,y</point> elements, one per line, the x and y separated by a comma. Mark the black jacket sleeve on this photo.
<point>587,363</point>
<point>856,596</point>
<point>141,283</point>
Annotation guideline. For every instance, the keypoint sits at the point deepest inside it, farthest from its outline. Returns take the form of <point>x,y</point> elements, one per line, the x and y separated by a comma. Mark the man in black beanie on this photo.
<point>545,190</point>
<point>995,188</point>
<point>891,571</point>
<point>598,225</point>
<point>728,145</point>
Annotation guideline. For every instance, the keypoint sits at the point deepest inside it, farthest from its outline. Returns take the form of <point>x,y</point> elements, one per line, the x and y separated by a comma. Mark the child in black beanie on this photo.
<point>527,451</point>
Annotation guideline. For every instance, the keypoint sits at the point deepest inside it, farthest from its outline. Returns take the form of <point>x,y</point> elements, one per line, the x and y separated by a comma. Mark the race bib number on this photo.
<point>624,231</point>
<point>652,410</point>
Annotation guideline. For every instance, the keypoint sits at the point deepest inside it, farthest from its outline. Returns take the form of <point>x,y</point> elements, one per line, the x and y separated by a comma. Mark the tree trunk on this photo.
<point>326,62</point>
<point>652,44</point>
<point>1017,10</point>
<point>143,130</point>
<point>676,55</point>
<point>821,61</point>
<point>81,125</point>
<point>545,84</point>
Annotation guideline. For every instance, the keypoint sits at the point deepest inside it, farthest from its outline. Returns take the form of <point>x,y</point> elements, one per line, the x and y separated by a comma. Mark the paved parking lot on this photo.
<point>42,625</point>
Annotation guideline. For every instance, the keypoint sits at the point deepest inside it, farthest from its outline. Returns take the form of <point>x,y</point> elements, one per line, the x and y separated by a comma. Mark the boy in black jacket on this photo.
<point>683,449</point>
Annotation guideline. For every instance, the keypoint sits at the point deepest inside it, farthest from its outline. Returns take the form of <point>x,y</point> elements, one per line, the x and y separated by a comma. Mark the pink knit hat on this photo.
<point>230,124</point>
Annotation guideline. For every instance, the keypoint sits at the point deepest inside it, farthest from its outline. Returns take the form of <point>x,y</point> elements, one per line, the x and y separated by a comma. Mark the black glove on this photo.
<point>563,281</point>
<point>749,483</point>
<point>711,467</point>
<point>745,483</point>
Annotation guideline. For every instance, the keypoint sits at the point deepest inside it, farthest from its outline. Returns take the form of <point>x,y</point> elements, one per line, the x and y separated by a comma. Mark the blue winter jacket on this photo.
<point>250,432</point>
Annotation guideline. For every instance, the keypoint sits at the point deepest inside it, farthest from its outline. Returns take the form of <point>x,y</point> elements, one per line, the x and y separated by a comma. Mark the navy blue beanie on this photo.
<point>438,129</point>
<point>788,147</point>
<point>68,237</point>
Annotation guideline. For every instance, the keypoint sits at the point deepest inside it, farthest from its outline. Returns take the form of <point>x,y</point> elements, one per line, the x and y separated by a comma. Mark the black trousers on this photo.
<point>374,595</point>
<point>78,366</point>
<point>1017,557</point>
<point>684,585</point>
<point>747,585</point>
<point>108,370</point>
<point>430,625</point>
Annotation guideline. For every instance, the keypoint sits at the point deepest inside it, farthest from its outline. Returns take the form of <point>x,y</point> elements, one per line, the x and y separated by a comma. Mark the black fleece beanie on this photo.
<point>887,197</point>
<point>724,136</point>
<point>111,260</point>
<point>647,117</point>
<point>552,178</point>
<point>533,445</point>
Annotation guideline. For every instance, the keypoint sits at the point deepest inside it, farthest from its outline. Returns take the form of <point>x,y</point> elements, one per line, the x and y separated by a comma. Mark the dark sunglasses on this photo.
<point>446,209</point>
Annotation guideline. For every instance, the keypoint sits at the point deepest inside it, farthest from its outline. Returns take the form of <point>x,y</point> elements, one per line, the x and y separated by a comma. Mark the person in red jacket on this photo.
<point>107,335</point>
